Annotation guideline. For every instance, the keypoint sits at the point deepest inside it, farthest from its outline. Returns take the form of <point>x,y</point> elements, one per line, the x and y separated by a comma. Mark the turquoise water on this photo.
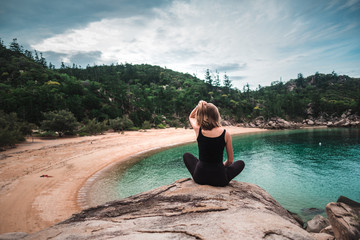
<point>301,169</point>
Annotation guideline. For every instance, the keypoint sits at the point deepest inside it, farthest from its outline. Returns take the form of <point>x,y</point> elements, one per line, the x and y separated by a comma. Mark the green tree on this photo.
<point>93,127</point>
<point>15,47</point>
<point>62,121</point>
<point>121,124</point>
<point>227,82</point>
<point>208,78</point>
<point>12,129</point>
<point>217,80</point>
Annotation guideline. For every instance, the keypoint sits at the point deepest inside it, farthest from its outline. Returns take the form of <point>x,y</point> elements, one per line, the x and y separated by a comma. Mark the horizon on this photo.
<point>255,42</point>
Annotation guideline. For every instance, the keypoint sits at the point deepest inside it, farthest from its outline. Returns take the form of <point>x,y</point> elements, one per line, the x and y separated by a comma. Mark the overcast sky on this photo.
<point>252,41</point>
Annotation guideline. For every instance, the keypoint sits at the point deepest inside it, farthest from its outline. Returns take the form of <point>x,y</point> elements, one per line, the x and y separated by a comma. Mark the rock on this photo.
<point>329,124</point>
<point>328,230</point>
<point>340,123</point>
<point>316,224</point>
<point>297,218</point>
<point>344,220</point>
<point>184,210</point>
<point>226,123</point>
<point>348,201</point>
<point>311,211</point>
<point>310,122</point>
<point>322,236</point>
<point>13,236</point>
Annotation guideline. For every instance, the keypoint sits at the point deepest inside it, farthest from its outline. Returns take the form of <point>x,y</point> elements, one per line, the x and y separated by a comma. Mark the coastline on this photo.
<point>30,203</point>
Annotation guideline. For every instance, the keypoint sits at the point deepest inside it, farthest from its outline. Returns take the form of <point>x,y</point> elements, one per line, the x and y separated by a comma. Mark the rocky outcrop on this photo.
<point>272,123</point>
<point>344,217</point>
<point>184,210</point>
<point>347,119</point>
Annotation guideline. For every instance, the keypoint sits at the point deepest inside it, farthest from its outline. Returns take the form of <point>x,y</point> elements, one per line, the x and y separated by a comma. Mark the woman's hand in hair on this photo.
<point>202,103</point>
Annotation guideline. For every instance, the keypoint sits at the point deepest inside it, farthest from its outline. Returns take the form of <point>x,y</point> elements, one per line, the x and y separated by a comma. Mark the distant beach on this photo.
<point>40,179</point>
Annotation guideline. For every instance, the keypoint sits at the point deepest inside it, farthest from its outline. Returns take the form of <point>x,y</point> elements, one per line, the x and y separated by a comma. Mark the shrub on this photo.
<point>61,121</point>
<point>93,127</point>
<point>161,126</point>
<point>175,123</point>
<point>121,124</point>
<point>48,134</point>
<point>146,125</point>
<point>12,129</point>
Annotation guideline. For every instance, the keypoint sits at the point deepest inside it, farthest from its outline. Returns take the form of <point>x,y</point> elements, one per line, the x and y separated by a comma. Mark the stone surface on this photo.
<point>328,230</point>
<point>184,210</point>
<point>322,236</point>
<point>344,220</point>
<point>316,224</point>
<point>13,236</point>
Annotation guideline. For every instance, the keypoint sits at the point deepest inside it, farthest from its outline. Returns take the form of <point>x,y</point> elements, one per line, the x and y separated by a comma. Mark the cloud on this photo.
<point>226,67</point>
<point>68,59</point>
<point>253,41</point>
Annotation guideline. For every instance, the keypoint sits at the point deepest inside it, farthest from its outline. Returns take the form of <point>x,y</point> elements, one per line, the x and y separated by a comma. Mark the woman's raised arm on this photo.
<point>192,119</point>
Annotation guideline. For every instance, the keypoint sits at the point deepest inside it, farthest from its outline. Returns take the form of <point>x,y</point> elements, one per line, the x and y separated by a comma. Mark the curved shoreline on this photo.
<point>83,193</point>
<point>30,203</point>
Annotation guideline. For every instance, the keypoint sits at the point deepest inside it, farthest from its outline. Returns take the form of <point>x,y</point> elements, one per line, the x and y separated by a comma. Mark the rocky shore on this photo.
<point>347,119</point>
<point>185,210</point>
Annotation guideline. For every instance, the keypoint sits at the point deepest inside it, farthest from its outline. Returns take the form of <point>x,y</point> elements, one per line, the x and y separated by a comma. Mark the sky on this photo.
<point>252,41</point>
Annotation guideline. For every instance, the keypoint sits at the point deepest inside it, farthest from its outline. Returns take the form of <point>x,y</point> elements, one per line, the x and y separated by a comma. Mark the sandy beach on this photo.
<point>29,203</point>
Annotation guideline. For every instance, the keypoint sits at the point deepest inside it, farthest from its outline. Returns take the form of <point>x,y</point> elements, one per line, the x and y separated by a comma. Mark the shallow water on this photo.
<point>301,169</point>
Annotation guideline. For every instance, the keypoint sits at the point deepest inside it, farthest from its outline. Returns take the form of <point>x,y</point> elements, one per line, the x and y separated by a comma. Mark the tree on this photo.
<point>12,129</point>
<point>14,46</point>
<point>61,121</point>
<point>217,80</point>
<point>208,78</point>
<point>121,124</point>
<point>300,81</point>
<point>227,82</point>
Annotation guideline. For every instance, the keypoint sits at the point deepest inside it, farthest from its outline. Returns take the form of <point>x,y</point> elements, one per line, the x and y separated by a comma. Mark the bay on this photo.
<point>301,169</point>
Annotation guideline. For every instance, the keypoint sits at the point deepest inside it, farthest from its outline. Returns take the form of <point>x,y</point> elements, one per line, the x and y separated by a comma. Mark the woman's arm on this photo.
<point>192,117</point>
<point>229,150</point>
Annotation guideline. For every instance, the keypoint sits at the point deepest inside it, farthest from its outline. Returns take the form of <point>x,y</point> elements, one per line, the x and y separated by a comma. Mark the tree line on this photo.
<point>128,96</point>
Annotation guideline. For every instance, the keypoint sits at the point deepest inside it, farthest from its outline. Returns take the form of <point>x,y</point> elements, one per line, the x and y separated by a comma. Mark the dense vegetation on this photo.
<point>126,96</point>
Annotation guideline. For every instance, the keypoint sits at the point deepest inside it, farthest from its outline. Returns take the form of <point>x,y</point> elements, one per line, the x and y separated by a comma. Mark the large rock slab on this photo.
<point>184,210</point>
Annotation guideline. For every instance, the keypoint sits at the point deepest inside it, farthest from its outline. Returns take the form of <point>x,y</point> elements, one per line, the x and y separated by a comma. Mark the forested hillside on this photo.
<point>151,96</point>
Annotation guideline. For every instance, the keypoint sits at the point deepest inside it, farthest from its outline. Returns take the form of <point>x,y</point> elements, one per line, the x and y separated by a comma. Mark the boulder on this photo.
<point>316,224</point>
<point>322,236</point>
<point>340,123</point>
<point>184,210</point>
<point>328,230</point>
<point>310,122</point>
<point>344,219</point>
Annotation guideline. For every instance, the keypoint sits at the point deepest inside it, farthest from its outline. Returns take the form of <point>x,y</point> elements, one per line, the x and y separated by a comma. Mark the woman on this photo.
<point>212,139</point>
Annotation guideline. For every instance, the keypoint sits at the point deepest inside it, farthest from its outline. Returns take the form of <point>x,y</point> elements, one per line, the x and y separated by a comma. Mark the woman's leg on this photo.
<point>234,169</point>
<point>190,162</point>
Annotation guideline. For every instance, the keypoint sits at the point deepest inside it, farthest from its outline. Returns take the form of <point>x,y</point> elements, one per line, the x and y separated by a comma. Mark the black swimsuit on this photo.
<point>209,168</point>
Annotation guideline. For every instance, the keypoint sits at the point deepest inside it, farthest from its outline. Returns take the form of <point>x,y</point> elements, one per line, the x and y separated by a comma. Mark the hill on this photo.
<point>152,96</point>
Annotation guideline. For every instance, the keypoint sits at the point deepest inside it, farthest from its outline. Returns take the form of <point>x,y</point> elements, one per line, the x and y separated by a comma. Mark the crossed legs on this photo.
<point>231,172</point>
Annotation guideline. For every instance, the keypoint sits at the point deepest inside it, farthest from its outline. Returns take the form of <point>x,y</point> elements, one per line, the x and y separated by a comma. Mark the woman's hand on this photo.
<point>202,103</point>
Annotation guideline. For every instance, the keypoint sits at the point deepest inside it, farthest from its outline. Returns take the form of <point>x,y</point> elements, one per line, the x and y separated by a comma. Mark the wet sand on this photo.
<point>29,203</point>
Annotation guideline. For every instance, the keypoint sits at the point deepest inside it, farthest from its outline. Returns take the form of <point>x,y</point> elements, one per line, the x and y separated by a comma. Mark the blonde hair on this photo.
<point>208,116</point>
